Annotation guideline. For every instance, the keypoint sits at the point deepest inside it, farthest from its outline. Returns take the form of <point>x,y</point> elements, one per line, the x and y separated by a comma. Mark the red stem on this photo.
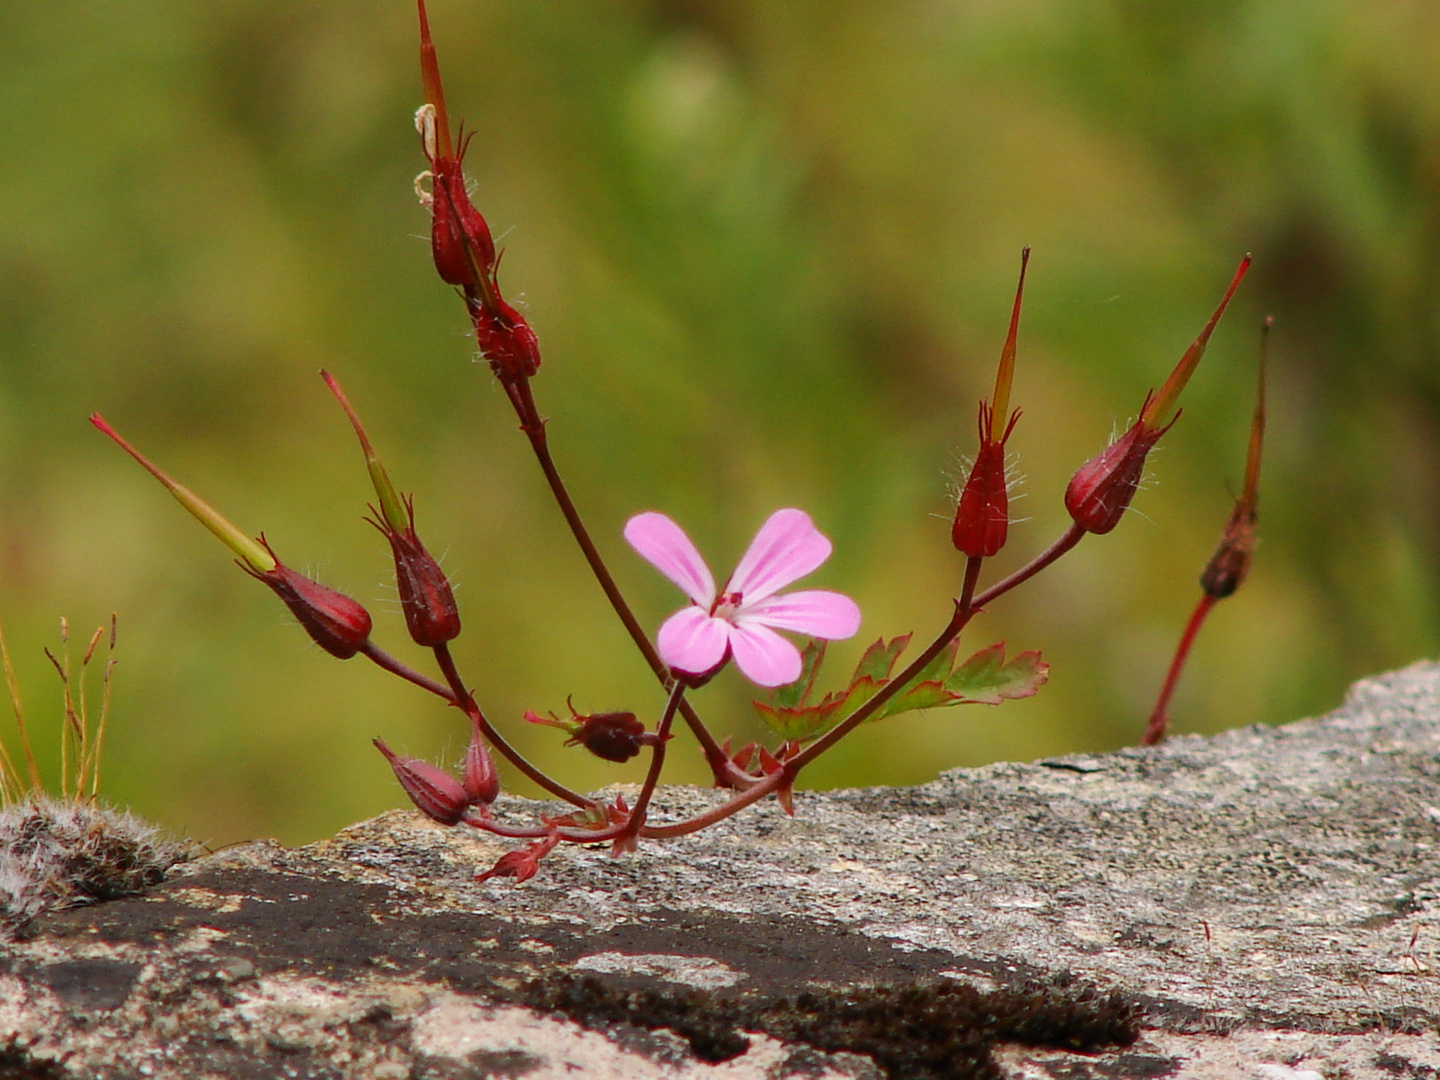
<point>523,400</point>
<point>754,794</point>
<point>1159,718</point>
<point>1072,536</point>
<point>396,667</point>
<point>657,762</point>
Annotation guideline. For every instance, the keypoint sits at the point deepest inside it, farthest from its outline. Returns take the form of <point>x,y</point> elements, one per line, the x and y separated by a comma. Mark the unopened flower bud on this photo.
<point>433,790</point>
<point>1100,492</point>
<point>982,517</point>
<point>481,781</point>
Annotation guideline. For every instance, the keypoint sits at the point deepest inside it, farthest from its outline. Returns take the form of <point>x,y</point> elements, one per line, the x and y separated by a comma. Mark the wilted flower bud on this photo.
<point>433,790</point>
<point>505,339</point>
<point>460,239</point>
<point>614,736</point>
<point>425,595</point>
<point>522,863</point>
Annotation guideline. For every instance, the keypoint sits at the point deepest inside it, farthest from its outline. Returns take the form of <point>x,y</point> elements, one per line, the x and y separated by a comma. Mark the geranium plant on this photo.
<point>744,618</point>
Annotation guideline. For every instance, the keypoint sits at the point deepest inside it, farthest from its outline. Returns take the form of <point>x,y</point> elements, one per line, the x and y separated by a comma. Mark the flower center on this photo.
<point>726,604</point>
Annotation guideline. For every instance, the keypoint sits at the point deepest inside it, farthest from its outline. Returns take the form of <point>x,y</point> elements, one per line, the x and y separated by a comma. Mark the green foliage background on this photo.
<point>769,247</point>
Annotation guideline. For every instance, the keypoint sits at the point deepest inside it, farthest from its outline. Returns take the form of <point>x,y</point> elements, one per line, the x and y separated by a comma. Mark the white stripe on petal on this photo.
<point>816,612</point>
<point>692,641</point>
<point>664,545</point>
<point>787,547</point>
<point>764,656</point>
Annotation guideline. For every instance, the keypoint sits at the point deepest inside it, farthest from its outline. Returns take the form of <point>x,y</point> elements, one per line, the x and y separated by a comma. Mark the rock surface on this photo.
<point>1264,903</point>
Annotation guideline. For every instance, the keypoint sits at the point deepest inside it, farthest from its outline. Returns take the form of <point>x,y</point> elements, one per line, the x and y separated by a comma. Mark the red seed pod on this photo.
<point>338,624</point>
<point>1100,492</point>
<point>460,240</point>
<point>433,790</point>
<point>505,339</point>
<point>431,614</point>
<point>982,518</point>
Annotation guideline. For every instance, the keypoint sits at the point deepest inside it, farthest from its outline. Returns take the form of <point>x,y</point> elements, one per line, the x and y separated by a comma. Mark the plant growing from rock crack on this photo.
<point>741,619</point>
<point>57,852</point>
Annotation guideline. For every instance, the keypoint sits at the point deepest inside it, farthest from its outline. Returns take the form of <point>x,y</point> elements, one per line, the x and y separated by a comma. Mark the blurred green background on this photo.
<point>769,248</point>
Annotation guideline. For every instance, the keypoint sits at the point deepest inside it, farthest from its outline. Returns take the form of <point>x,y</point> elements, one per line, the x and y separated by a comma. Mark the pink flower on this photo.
<point>741,618</point>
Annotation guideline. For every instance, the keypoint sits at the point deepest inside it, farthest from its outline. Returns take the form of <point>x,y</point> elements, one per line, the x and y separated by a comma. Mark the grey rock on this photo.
<point>1267,901</point>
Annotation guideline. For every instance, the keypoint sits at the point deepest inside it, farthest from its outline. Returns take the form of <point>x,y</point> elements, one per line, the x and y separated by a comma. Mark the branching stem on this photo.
<point>463,698</point>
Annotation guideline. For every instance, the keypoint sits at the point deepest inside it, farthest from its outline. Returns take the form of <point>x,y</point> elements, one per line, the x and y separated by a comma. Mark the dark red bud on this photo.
<point>1101,490</point>
<point>338,624</point>
<point>433,790</point>
<point>615,736</point>
<point>1231,562</point>
<point>431,614</point>
<point>982,518</point>
<point>482,782</point>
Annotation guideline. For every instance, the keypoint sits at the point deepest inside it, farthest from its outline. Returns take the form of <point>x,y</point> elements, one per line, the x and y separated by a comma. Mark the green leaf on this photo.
<point>939,669</point>
<point>793,695</point>
<point>986,678</point>
<point>930,694</point>
<point>879,659</point>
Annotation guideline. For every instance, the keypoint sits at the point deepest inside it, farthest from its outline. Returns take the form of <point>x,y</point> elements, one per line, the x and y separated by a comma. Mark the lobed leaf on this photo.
<point>987,679</point>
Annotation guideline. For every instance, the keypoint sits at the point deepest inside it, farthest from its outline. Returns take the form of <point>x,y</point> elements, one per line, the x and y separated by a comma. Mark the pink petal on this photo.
<point>816,612</point>
<point>764,656</point>
<point>692,641</point>
<point>664,545</point>
<point>787,547</point>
